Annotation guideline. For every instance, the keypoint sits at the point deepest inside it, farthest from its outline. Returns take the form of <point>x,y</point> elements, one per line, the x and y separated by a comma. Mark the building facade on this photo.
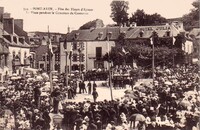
<point>14,45</point>
<point>97,42</point>
<point>40,50</point>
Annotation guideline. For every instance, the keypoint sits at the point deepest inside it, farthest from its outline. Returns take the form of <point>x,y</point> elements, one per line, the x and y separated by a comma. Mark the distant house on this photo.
<point>40,49</point>
<point>195,35</point>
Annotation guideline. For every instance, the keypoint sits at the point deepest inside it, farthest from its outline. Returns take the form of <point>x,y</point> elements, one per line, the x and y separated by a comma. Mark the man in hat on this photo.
<point>37,94</point>
<point>83,87</point>
<point>95,95</point>
<point>55,94</point>
<point>89,85</point>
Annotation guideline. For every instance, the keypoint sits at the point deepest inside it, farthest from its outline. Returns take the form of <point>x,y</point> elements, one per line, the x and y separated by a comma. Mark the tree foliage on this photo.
<point>119,12</point>
<point>143,19</point>
<point>191,19</point>
<point>94,24</point>
<point>142,54</point>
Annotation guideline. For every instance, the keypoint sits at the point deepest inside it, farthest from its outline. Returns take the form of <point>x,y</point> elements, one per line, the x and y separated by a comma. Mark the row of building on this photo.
<point>22,51</point>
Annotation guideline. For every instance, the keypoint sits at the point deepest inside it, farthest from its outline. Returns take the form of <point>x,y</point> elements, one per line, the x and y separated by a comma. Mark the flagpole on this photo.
<point>153,55</point>
<point>50,63</point>
<point>66,67</point>
<point>109,67</point>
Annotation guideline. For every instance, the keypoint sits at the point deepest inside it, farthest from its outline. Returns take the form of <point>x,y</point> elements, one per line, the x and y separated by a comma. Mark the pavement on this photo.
<point>103,92</point>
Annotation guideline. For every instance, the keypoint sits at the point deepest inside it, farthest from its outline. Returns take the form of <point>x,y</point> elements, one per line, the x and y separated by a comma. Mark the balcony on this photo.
<point>91,56</point>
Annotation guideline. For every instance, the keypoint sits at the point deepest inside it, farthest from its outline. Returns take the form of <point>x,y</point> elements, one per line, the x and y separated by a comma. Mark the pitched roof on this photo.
<point>131,32</point>
<point>40,51</point>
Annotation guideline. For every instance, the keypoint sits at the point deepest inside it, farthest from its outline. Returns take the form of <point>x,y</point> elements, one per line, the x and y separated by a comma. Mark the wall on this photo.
<point>90,49</point>
<point>17,49</point>
<point>188,48</point>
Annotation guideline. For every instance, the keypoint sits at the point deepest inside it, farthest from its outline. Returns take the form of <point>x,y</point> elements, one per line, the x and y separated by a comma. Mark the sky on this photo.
<point>74,13</point>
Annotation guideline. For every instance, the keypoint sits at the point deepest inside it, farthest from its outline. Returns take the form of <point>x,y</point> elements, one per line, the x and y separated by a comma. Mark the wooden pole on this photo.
<point>109,69</point>
<point>66,72</point>
<point>50,64</point>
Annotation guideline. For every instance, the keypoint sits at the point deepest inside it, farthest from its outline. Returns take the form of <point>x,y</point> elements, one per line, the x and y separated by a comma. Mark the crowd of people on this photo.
<point>171,102</point>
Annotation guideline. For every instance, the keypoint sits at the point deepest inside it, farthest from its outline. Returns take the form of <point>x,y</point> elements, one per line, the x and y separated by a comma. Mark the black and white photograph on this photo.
<point>99,65</point>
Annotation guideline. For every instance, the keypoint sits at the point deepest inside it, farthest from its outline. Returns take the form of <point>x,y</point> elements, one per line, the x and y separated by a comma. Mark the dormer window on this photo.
<point>168,33</point>
<point>109,34</point>
<point>21,39</point>
<point>141,33</point>
<point>15,39</point>
<point>76,35</point>
<point>100,34</point>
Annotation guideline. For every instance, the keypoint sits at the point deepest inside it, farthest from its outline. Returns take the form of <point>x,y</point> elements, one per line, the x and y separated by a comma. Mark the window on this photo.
<point>75,67</point>
<point>81,57</point>
<point>57,57</point>
<point>15,39</point>
<point>100,34</point>
<point>168,33</point>
<point>41,66</point>
<point>6,60</point>
<point>98,53</point>
<point>141,33</point>
<point>81,45</point>
<point>74,45</point>
<point>43,58</point>
<point>25,55</point>
<point>14,54</point>
<point>19,54</point>
<point>74,57</point>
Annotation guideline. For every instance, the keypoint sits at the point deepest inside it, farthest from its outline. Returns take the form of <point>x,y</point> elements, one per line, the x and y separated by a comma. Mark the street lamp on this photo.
<point>109,34</point>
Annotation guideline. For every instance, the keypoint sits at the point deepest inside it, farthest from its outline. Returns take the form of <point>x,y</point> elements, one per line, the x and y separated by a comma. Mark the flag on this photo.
<point>70,53</point>
<point>50,48</point>
<point>134,64</point>
<point>124,51</point>
<point>173,40</point>
<point>151,41</point>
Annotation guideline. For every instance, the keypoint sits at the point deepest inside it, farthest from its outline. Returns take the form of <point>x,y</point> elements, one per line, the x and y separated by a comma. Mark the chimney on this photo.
<point>19,23</point>
<point>8,25</point>
<point>6,15</point>
<point>1,13</point>
<point>68,29</point>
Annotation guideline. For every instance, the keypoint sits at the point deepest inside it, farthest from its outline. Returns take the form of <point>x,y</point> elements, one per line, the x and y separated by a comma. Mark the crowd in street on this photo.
<point>171,102</point>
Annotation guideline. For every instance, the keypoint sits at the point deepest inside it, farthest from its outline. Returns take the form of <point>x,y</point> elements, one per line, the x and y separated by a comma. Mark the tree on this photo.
<point>143,19</point>
<point>119,12</point>
<point>94,24</point>
<point>139,17</point>
<point>191,19</point>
